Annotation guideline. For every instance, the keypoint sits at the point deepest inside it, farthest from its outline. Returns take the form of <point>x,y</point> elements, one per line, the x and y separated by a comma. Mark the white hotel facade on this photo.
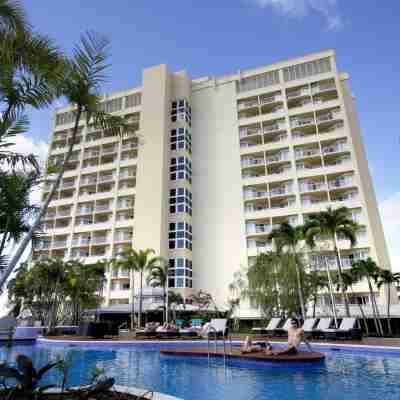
<point>214,164</point>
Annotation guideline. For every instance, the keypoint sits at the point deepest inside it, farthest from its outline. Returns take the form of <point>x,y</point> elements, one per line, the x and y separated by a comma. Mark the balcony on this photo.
<point>270,99</point>
<point>129,146</point>
<point>59,244</point>
<point>244,132</point>
<point>82,241</point>
<point>281,191</point>
<point>274,127</point>
<point>102,207</point>
<point>127,175</point>
<point>299,122</point>
<point>297,93</point>
<point>312,186</point>
<point>123,237</point>
<point>64,213</point>
<point>67,184</point>
<point>344,197</point>
<point>283,156</point>
<point>335,148</point>
<point>279,170</point>
<point>258,228</point>
<point>99,239</point>
<point>254,194</point>
<point>249,162</point>
<point>323,87</point>
<point>328,116</point>
<point>340,182</point>
<point>247,104</point>
<point>303,153</point>
<point>283,204</point>
<point>106,178</point>
<point>255,207</point>
<point>89,181</point>
<point>109,150</point>
<point>50,215</point>
<point>125,204</point>
<point>310,201</point>
<point>337,161</point>
<point>84,210</point>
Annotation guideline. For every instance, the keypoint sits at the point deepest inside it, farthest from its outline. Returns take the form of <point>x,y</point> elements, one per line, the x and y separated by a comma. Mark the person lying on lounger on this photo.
<point>295,337</point>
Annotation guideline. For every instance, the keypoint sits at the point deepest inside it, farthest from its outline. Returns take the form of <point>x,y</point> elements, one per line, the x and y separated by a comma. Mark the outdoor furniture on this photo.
<point>7,327</point>
<point>308,326</point>
<point>167,331</point>
<point>150,330</point>
<point>179,323</point>
<point>272,325</point>
<point>284,329</point>
<point>188,332</point>
<point>323,325</point>
<point>216,327</point>
<point>196,323</point>
<point>347,330</point>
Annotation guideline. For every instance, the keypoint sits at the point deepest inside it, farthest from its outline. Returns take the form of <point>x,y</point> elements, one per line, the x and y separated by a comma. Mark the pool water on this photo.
<point>343,375</point>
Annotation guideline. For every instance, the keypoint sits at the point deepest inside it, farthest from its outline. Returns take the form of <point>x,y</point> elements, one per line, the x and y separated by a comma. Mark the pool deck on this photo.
<point>303,357</point>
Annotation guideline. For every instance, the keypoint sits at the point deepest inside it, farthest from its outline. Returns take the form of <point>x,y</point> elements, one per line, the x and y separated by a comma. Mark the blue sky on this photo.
<point>220,36</point>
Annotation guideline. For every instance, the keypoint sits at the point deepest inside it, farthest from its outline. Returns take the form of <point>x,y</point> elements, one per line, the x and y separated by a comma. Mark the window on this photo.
<point>125,286</point>
<point>180,235</point>
<point>133,100</point>
<point>112,105</point>
<point>180,168</point>
<point>181,139</point>
<point>181,111</point>
<point>180,273</point>
<point>180,201</point>
<point>304,70</point>
<point>258,81</point>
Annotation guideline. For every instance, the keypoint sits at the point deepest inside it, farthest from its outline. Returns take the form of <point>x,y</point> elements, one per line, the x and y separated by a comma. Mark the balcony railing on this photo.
<point>297,93</point>
<point>339,161</point>
<point>60,243</point>
<point>255,208</point>
<point>127,175</point>
<point>84,210</point>
<point>106,178</point>
<point>328,116</point>
<point>334,148</point>
<point>121,238</point>
<point>311,201</point>
<point>295,123</point>
<point>255,194</point>
<point>281,191</point>
<point>127,204</point>
<point>81,241</point>
<point>90,154</point>
<point>339,183</point>
<point>277,158</point>
<point>63,213</point>
<point>322,87</point>
<point>253,228</point>
<point>274,127</point>
<point>88,181</point>
<point>248,162</point>
<point>243,132</point>
<point>109,150</point>
<point>102,207</point>
<point>67,184</point>
<point>129,146</point>
<point>312,186</point>
<point>270,99</point>
<point>345,197</point>
<point>286,204</point>
<point>279,171</point>
<point>247,104</point>
<point>306,153</point>
<point>99,239</point>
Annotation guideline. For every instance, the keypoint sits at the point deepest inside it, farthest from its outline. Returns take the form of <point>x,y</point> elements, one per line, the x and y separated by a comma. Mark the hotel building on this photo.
<point>213,165</point>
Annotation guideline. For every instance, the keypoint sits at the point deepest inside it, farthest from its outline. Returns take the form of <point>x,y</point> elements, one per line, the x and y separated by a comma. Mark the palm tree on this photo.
<point>332,223</point>
<point>12,16</point>
<point>127,261</point>
<point>369,270</point>
<point>16,208</point>
<point>143,261</point>
<point>175,300</point>
<point>83,75</point>
<point>317,283</point>
<point>350,278</point>
<point>158,277</point>
<point>290,237</point>
<point>386,277</point>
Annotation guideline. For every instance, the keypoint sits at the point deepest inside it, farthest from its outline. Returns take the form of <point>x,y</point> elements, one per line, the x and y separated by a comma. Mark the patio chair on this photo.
<point>323,325</point>
<point>217,326</point>
<point>179,323</point>
<point>347,330</point>
<point>308,326</point>
<point>272,325</point>
<point>284,329</point>
<point>196,323</point>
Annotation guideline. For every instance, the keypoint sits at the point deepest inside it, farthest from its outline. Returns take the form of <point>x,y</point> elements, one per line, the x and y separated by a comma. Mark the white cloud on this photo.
<point>26,145</point>
<point>390,213</point>
<point>328,9</point>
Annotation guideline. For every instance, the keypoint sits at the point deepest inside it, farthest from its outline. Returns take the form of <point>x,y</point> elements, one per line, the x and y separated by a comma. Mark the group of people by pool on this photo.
<point>295,337</point>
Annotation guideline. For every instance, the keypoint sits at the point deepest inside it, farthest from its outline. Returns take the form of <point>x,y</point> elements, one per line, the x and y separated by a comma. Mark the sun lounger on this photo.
<point>347,330</point>
<point>284,329</point>
<point>272,325</point>
<point>323,325</point>
<point>188,332</point>
<point>196,323</point>
<point>308,326</point>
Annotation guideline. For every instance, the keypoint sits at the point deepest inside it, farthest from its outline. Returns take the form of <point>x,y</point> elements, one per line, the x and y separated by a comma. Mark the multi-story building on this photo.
<point>214,165</point>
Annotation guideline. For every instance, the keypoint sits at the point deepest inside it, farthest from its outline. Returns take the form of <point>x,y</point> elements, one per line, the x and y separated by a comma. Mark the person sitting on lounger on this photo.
<point>295,337</point>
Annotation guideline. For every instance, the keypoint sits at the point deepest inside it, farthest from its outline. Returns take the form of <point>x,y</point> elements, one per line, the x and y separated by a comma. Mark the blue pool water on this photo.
<point>343,375</point>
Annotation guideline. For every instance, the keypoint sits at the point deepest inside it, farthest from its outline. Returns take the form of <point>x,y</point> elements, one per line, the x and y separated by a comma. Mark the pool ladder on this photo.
<point>224,337</point>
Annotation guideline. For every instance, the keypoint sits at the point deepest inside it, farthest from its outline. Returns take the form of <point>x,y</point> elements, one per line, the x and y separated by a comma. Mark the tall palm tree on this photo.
<point>388,278</point>
<point>12,16</point>
<point>143,261</point>
<point>16,208</point>
<point>175,300</point>
<point>350,278</point>
<point>158,277</point>
<point>290,237</point>
<point>331,224</point>
<point>368,270</point>
<point>317,283</point>
<point>127,261</point>
<point>83,76</point>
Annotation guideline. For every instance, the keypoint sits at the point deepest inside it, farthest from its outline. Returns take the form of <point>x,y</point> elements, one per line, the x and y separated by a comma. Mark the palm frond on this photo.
<point>12,16</point>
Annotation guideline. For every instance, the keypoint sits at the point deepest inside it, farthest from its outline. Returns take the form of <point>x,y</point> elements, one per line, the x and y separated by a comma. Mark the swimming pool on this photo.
<point>346,374</point>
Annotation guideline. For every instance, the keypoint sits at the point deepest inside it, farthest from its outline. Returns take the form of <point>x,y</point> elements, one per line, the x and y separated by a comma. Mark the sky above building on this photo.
<point>219,37</point>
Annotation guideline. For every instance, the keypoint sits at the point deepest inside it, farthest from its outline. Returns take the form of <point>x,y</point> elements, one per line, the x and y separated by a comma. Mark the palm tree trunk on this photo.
<point>132,283</point>
<point>339,264</point>
<point>300,292</point>
<point>388,312</point>
<point>4,238</point>
<point>362,313</point>
<point>28,237</point>
<point>378,315</point>
<point>371,295</point>
<point>331,292</point>
<point>140,299</point>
